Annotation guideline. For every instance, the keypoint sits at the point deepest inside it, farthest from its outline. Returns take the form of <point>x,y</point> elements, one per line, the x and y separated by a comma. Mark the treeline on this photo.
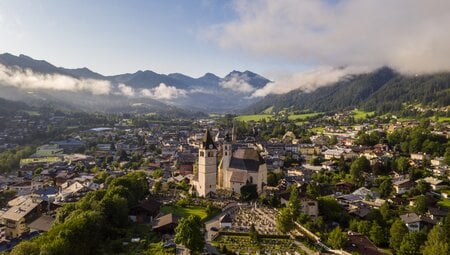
<point>97,224</point>
<point>10,159</point>
<point>382,91</point>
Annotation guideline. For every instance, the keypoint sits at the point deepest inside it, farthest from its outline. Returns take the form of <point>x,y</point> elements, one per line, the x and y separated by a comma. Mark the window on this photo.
<point>250,180</point>
<point>226,153</point>
<point>202,154</point>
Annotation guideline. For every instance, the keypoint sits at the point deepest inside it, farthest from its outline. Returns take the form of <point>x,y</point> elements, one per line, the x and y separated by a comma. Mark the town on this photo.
<point>285,183</point>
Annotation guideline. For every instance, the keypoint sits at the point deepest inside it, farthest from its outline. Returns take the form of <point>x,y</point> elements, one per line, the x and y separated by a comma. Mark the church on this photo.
<point>236,168</point>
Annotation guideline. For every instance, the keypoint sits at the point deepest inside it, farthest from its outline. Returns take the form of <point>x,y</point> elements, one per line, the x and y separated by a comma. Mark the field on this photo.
<point>444,202</point>
<point>185,211</point>
<point>443,119</point>
<point>303,116</point>
<point>361,115</point>
<point>256,117</point>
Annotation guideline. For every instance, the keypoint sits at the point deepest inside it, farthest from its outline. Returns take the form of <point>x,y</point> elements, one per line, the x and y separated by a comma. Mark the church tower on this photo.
<point>207,166</point>
<point>225,162</point>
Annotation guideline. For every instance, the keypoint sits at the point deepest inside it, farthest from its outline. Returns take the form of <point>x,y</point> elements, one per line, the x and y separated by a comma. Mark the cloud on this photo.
<point>164,92</point>
<point>410,36</point>
<point>237,83</point>
<point>126,90</point>
<point>308,80</point>
<point>27,79</point>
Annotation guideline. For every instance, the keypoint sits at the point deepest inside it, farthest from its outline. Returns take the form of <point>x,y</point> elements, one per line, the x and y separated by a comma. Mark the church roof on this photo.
<point>247,159</point>
<point>207,141</point>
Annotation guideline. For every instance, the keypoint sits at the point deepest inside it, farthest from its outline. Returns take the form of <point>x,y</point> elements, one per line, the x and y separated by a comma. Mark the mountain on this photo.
<point>383,90</point>
<point>206,93</point>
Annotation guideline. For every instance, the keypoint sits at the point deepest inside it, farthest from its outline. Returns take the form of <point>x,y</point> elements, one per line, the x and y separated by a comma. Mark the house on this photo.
<point>19,216</point>
<point>225,221</point>
<point>437,214</point>
<point>71,192</point>
<point>402,186</point>
<point>412,221</point>
<point>145,211</point>
<point>435,183</point>
<point>310,207</point>
<point>419,156</point>
<point>360,244</point>
<point>165,224</point>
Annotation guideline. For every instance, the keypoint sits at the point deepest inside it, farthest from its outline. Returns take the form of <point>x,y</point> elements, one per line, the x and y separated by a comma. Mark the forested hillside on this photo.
<point>383,91</point>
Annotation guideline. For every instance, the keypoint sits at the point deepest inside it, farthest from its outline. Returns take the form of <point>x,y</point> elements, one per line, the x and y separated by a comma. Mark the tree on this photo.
<point>385,188</point>
<point>337,238</point>
<point>402,164</point>
<point>357,167</point>
<point>249,192</point>
<point>253,233</point>
<point>437,242</point>
<point>26,248</point>
<point>284,220</point>
<point>447,156</point>
<point>293,203</point>
<point>312,190</point>
<point>411,243</point>
<point>188,232</point>
<point>377,234</point>
<point>397,231</point>
<point>420,205</point>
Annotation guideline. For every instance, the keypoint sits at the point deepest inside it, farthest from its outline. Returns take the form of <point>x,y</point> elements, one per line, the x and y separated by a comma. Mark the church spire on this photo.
<point>207,142</point>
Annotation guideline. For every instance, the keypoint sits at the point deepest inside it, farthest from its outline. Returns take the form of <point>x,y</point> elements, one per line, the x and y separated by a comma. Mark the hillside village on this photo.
<point>297,185</point>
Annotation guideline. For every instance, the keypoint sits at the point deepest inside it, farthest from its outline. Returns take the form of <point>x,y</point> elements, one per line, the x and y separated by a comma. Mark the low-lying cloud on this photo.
<point>410,36</point>
<point>29,80</point>
<point>237,83</point>
<point>126,90</point>
<point>164,91</point>
<point>309,80</point>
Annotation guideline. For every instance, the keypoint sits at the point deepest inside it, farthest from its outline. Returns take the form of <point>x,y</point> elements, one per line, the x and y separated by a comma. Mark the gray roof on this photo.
<point>43,223</point>
<point>410,218</point>
<point>247,159</point>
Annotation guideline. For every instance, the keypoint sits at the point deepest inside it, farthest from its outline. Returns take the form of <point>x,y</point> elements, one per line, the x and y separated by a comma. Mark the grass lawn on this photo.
<point>444,202</point>
<point>256,117</point>
<point>303,116</point>
<point>185,211</point>
<point>317,129</point>
<point>361,115</point>
<point>443,119</point>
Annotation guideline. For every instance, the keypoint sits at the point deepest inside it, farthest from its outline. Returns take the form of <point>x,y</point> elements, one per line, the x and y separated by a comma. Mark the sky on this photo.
<point>296,43</point>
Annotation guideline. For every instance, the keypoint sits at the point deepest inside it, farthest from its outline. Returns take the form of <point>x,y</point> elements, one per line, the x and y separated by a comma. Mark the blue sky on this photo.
<point>114,37</point>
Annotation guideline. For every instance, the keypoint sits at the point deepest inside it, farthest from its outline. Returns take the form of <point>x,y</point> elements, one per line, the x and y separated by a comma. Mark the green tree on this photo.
<point>253,233</point>
<point>397,231</point>
<point>411,243</point>
<point>420,205</point>
<point>26,248</point>
<point>437,242</point>
<point>402,164</point>
<point>357,168</point>
<point>312,190</point>
<point>377,234</point>
<point>337,238</point>
<point>385,188</point>
<point>293,203</point>
<point>188,232</point>
<point>249,192</point>
<point>284,220</point>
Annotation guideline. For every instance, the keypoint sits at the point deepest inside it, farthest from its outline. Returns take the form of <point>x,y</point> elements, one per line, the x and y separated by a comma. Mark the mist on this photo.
<point>29,80</point>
